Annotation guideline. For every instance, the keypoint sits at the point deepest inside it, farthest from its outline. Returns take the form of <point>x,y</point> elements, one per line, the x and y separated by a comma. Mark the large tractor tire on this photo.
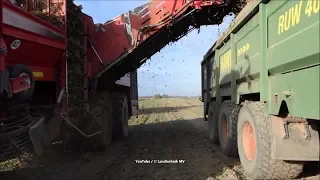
<point>17,71</point>
<point>227,123</point>
<point>213,122</point>
<point>120,115</point>
<point>100,114</point>
<point>254,145</point>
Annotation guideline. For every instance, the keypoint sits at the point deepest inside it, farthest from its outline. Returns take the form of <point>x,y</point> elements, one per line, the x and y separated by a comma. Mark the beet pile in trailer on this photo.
<point>75,80</point>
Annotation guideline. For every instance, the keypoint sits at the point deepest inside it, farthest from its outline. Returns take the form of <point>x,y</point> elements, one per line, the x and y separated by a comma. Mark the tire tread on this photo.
<point>269,168</point>
<point>232,111</point>
<point>214,107</point>
<point>118,100</point>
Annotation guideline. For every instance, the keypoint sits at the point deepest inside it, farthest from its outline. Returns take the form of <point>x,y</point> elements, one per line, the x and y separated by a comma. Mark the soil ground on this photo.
<point>166,129</point>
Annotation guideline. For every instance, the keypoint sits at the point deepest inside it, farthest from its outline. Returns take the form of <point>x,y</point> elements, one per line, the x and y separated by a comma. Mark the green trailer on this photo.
<point>260,87</point>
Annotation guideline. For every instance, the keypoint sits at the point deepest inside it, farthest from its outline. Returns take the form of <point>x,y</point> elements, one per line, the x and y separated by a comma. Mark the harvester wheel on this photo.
<point>213,122</point>
<point>18,70</point>
<point>120,115</point>
<point>101,110</point>
<point>227,123</point>
<point>254,144</point>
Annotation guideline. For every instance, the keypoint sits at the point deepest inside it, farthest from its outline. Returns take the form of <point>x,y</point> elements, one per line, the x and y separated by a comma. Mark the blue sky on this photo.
<point>175,70</point>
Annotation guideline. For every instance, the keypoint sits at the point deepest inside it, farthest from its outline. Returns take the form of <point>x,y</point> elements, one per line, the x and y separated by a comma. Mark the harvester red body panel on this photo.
<point>32,41</point>
<point>41,44</point>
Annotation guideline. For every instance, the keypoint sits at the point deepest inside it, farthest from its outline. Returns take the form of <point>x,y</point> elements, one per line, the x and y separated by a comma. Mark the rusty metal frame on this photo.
<point>81,132</point>
<point>294,139</point>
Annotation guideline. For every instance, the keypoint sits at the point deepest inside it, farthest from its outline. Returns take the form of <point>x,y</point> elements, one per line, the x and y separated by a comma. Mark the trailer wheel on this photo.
<point>254,152</point>
<point>213,122</point>
<point>227,123</point>
<point>18,70</point>
<point>101,109</point>
<point>120,115</point>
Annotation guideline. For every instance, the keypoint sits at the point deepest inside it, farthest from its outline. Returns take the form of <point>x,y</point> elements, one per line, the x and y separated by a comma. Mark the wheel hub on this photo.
<point>248,141</point>
<point>28,81</point>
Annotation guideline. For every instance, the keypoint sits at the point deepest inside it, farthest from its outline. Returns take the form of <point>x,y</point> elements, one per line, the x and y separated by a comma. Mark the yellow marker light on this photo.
<point>38,74</point>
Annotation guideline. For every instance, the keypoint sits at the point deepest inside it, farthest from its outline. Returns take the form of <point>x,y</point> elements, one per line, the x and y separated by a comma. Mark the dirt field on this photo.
<point>167,129</point>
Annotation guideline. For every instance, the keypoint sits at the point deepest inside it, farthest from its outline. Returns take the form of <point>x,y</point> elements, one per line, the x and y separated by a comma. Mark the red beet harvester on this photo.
<point>64,77</point>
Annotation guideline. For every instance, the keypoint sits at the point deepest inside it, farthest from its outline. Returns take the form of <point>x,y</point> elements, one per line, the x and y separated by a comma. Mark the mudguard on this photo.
<point>298,141</point>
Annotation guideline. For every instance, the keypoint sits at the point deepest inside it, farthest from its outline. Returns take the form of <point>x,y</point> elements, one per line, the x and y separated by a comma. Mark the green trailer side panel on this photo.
<point>247,43</point>
<point>224,59</point>
<point>217,76</point>
<point>304,99</point>
<point>293,35</point>
<point>248,48</point>
<point>204,89</point>
<point>264,86</point>
<point>248,88</point>
<point>272,49</point>
<point>212,77</point>
<point>211,81</point>
<point>293,44</point>
<point>204,79</point>
<point>204,69</point>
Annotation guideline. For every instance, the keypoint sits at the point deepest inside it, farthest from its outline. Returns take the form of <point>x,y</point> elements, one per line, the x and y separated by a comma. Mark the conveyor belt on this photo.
<point>182,25</point>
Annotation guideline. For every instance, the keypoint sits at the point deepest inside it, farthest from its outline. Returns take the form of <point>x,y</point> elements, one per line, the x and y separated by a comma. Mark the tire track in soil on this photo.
<point>172,138</point>
<point>174,134</point>
<point>229,167</point>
